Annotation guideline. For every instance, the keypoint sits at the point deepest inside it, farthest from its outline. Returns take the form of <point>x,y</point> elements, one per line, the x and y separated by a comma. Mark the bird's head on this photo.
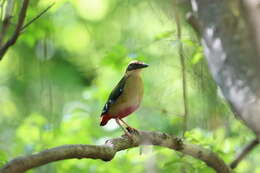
<point>135,66</point>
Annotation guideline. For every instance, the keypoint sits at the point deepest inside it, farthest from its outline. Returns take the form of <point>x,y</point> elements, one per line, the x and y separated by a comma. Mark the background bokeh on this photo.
<point>56,79</point>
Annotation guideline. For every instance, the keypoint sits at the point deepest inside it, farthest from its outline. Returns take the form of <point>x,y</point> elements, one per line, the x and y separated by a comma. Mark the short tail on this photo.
<point>104,119</point>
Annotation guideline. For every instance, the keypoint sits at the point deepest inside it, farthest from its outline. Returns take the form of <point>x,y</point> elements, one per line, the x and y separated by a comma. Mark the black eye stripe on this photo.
<point>133,66</point>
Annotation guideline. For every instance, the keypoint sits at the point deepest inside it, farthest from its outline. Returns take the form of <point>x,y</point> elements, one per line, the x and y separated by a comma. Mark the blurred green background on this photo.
<point>56,79</point>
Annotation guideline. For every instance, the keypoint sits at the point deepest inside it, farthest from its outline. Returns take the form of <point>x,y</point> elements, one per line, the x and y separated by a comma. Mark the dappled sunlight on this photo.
<point>93,10</point>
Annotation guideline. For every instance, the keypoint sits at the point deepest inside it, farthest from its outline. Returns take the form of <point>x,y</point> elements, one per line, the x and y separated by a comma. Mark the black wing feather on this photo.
<point>117,91</point>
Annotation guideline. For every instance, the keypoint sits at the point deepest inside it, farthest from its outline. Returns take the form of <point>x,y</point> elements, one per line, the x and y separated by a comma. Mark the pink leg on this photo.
<point>126,132</point>
<point>129,128</point>
<point>125,123</point>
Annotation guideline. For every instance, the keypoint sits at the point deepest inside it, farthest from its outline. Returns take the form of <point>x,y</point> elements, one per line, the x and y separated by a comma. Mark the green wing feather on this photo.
<point>114,95</point>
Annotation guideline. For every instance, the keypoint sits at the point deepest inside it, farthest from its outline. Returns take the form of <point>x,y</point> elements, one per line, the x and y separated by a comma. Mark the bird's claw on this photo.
<point>132,130</point>
<point>129,132</point>
<point>128,135</point>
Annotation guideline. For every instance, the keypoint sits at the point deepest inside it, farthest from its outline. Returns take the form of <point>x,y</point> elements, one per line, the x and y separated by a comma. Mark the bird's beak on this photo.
<point>142,66</point>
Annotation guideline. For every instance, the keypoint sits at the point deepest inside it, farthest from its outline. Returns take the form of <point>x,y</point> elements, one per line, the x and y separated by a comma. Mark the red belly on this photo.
<point>126,111</point>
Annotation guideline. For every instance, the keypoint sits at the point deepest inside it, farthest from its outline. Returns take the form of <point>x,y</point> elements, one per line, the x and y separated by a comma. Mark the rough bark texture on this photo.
<point>252,12</point>
<point>232,56</point>
<point>107,151</point>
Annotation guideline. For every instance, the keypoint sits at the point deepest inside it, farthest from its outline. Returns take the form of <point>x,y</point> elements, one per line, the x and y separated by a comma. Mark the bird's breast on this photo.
<point>133,91</point>
<point>130,99</point>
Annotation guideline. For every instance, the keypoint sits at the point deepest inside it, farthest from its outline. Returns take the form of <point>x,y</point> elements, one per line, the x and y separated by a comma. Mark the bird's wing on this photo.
<point>117,91</point>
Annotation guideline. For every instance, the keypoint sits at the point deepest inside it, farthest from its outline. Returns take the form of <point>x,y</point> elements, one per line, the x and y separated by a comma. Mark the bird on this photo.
<point>126,97</point>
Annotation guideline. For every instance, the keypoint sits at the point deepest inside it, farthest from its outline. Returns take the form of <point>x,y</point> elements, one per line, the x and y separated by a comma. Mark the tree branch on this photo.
<point>36,17</point>
<point>16,33</point>
<point>7,18</point>
<point>193,21</point>
<point>248,148</point>
<point>107,151</point>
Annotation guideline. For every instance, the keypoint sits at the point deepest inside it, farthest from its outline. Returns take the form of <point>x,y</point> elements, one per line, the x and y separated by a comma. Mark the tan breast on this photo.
<point>131,97</point>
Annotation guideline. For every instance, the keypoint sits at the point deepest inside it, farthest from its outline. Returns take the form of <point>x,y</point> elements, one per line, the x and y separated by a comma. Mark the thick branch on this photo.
<point>107,151</point>
<point>16,33</point>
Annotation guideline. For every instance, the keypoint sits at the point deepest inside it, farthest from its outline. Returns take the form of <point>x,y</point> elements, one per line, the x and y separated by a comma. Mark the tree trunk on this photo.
<point>230,45</point>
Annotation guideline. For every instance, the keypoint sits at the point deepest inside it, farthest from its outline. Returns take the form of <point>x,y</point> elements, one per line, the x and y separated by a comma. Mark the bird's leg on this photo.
<point>129,128</point>
<point>125,123</point>
<point>126,132</point>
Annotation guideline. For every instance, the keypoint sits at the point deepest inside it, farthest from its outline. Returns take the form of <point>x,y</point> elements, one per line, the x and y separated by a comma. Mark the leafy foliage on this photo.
<point>55,80</point>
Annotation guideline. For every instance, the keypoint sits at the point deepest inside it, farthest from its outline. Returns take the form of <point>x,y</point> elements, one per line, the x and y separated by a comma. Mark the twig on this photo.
<point>7,18</point>
<point>248,148</point>
<point>16,33</point>
<point>183,68</point>
<point>107,151</point>
<point>36,17</point>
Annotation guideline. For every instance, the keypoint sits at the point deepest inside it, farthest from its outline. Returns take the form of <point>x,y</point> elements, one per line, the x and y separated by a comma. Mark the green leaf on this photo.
<point>196,58</point>
<point>163,35</point>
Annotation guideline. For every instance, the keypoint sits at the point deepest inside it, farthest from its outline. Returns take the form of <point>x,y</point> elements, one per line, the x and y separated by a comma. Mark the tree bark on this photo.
<point>107,151</point>
<point>231,51</point>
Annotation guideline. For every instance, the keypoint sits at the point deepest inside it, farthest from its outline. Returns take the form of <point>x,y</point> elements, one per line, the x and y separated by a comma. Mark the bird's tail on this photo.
<point>104,119</point>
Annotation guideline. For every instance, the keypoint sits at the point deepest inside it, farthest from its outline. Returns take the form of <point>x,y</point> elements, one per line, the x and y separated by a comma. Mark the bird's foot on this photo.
<point>128,135</point>
<point>129,132</point>
<point>132,130</point>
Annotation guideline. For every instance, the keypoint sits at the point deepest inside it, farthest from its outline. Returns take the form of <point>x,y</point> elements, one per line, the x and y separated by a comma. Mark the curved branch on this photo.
<point>107,151</point>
